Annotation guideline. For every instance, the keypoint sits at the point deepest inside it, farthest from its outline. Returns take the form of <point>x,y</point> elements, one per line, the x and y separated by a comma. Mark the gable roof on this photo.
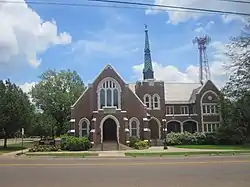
<point>177,93</point>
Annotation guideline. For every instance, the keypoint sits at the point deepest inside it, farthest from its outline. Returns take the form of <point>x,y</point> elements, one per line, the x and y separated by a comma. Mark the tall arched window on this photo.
<point>156,102</point>
<point>134,127</point>
<point>84,127</point>
<point>109,93</point>
<point>147,100</point>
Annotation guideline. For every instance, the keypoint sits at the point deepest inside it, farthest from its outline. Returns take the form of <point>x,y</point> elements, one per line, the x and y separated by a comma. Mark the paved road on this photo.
<point>231,171</point>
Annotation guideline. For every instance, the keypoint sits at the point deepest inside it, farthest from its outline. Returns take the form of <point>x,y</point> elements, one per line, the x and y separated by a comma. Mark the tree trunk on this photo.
<point>5,142</point>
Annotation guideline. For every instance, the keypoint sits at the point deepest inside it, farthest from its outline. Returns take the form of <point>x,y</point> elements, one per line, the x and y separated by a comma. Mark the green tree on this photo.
<point>236,102</point>
<point>42,125</point>
<point>55,93</point>
<point>15,109</point>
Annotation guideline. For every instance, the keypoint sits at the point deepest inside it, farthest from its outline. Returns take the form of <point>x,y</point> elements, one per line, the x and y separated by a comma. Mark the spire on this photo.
<point>148,72</point>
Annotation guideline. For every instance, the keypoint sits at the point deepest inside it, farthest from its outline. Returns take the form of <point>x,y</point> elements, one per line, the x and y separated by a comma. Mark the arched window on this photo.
<point>156,102</point>
<point>84,127</point>
<point>109,93</point>
<point>147,100</point>
<point>134,127</point>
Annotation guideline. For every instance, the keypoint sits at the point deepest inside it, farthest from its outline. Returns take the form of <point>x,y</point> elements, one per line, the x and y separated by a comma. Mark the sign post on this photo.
<point>22,138</point>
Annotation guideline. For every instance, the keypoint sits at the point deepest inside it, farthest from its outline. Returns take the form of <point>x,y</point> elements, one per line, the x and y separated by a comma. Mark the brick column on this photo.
<point>92,131</point>
<point>146,131</point>
<point>126,130</point>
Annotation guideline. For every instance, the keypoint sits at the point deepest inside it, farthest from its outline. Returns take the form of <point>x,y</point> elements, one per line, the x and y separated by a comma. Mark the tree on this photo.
<point>55,94</point>
<point>15,109</point>
<point>236,102</point>
<point>42,125</point>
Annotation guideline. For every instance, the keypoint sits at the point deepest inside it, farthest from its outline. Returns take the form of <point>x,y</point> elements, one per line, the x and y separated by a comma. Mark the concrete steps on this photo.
<point>109,146</point>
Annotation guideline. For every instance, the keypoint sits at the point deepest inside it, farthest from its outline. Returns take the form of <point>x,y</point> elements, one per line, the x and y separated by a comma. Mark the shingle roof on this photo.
<point>177,92</point>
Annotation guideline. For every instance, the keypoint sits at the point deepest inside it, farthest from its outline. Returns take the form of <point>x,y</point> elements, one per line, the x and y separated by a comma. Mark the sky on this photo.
<point>35,38</point>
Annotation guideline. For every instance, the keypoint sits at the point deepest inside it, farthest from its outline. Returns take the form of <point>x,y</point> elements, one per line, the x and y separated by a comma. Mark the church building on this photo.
<point>111,110</point>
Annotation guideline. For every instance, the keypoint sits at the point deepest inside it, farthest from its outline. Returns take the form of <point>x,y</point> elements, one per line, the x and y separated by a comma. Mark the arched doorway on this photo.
<point>154,127</point>
<point>190,126</point>
<point>174,126</point>
<point>109,130</point>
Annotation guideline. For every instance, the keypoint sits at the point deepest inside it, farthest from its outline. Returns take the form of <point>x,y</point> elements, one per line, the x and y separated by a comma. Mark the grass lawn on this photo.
<point>16,147</point>
<point>61,154</point>
<point>229,147</point>
<point>135,154</point>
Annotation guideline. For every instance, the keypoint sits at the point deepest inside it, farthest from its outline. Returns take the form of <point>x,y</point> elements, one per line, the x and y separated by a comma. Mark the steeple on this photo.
<point>148,72</point>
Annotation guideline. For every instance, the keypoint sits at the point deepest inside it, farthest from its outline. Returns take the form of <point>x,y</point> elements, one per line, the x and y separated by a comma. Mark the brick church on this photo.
<point>111,110</point>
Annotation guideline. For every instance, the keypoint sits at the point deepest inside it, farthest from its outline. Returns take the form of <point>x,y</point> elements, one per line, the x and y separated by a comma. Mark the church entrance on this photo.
<point>109,130</point>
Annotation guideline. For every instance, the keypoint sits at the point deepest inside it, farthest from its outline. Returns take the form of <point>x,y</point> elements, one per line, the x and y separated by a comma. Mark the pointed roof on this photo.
<point>148,68</point>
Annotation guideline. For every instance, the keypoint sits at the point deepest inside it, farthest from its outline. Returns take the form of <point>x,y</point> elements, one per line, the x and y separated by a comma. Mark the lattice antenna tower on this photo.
<point>204,70</point>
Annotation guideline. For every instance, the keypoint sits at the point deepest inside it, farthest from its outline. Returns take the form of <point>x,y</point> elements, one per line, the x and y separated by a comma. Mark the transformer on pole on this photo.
<point>204,71</point>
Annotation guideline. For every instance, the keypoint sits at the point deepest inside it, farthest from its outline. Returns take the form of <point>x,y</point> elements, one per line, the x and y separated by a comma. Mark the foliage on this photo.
<point>71,143</point>
<point>187,138</point>
<point>16,110</point>
<point>133,140</point>
<point>55,93</point>
<point>42,125</point>
<point>235,101</point>
<point>136,143</point>
<point>141,145</point>
<point>45,148</point>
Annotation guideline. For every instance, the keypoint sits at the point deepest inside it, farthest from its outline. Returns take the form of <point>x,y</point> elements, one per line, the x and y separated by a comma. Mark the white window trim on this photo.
<point>149,101</point>
<point>184,108</point>
<point>100,86</point>
<point>208,112</point>
<point>210,123</point>
<point>168,109</point>
<point>158,101</point>
<point>137,126</point>
<point>80,126</point>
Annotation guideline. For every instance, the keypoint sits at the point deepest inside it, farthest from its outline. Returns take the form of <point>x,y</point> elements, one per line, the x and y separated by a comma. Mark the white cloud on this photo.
<point>171,73</point>
<point>24,34</point>
<point>108,42</point>
<point>203,28</point>
<point>27,86</point>
<point>182,16</point>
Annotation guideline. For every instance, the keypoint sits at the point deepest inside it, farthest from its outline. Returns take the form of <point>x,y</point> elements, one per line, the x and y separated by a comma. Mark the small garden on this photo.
<point>67,143</point>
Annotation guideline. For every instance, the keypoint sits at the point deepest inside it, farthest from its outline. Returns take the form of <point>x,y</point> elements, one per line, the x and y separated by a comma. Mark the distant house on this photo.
<point>112,110</point>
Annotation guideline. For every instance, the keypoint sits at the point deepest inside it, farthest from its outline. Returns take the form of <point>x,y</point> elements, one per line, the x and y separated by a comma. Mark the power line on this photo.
<point>173,7</point>
<point>93,6</point>
<point>236,1</point>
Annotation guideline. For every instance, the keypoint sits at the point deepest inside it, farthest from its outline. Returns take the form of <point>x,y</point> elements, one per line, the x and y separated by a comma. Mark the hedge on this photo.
<point>187,138</point>
<point>71,143</point>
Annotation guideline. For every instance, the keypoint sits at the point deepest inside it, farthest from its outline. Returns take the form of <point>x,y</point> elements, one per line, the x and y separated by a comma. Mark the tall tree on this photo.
<point>55,93</point>
<point>15,109</point>
<point>236,110</point>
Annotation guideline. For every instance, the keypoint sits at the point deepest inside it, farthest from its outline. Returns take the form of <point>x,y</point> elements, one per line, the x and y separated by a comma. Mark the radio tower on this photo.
<point>204,71</point>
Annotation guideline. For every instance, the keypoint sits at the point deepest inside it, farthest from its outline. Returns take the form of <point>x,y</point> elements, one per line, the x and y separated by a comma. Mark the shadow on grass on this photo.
<point>16,147</point>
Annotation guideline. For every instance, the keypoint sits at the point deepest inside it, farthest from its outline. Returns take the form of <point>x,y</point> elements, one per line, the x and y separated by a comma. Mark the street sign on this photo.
<point>22,131</point>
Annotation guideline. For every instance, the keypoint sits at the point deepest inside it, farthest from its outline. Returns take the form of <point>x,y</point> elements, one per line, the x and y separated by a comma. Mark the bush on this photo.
<point>132,141</point>
<point>45,148</point>
<point>187,138</point>
<point>71,143</point>
<point>141,145</point>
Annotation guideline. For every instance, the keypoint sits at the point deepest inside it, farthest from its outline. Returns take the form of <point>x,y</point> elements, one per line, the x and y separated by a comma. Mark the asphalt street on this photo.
<point>207,171</point>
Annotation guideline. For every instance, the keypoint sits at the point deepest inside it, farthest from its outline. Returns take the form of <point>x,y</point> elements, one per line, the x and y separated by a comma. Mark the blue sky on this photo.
<point>98,36</point>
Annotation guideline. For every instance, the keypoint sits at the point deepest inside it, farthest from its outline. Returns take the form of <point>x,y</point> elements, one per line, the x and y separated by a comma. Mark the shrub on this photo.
<point>45,148</point>
<point>71,143</point>
<point>187,138</point>
<point>132,141</point>
<point>141,145</point>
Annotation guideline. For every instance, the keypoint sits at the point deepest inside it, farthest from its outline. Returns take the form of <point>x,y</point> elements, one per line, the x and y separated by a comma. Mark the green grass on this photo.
<point>63,154</point>
<point>154,154</point>
<point>224,147</point>
<point>15,147</point>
